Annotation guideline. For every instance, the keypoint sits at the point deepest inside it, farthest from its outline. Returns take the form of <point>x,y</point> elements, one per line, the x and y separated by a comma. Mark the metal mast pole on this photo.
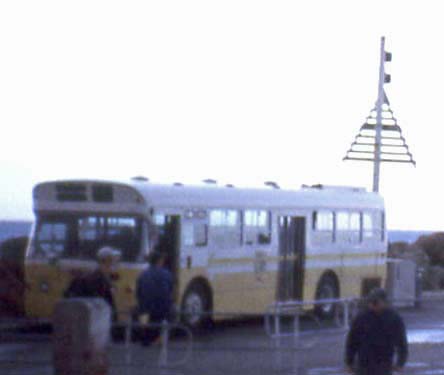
<point>378,127</point>
<point>381,119</point>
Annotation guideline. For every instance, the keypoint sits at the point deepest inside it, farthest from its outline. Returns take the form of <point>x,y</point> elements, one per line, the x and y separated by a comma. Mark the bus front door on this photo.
<point>169,243</point>
<point>292,257</point>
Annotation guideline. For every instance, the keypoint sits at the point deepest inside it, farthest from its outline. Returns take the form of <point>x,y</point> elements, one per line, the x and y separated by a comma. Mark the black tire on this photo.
<point>196,307</point>
<point>327,289</point>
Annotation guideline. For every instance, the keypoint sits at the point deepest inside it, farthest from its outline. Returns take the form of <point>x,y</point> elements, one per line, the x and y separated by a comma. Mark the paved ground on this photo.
<point>240,348</point>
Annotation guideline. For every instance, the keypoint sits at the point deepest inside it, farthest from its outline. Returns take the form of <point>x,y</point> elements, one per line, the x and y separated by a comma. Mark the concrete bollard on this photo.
<point>81,334</point>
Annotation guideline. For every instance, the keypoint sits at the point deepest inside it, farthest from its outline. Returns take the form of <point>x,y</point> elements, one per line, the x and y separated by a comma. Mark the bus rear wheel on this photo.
<point>326,290</point>
<point>196,307</point>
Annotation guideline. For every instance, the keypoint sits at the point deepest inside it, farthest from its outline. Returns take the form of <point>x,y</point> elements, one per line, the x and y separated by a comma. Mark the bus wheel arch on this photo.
<point>197,299</point>
<point>328,287</point>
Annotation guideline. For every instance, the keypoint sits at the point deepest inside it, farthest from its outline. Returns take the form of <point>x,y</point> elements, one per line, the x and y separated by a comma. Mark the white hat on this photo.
<point>106,252</point>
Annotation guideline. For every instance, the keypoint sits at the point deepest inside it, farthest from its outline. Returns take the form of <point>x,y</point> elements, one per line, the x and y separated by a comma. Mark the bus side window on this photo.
<point>225,228</point>
<point>323,227</point>
<point>200,234</point>
<point>217,227</point>
<point>159,219</point>
<point>233,228</point>
<point>378,225</point>
<point>342,226</point>
<point>373,226</point>
<point>368,227</point>
<point>195,233</point>
<point>249,227</point>
<point>256,227</point>
<point>355,227</point>
<point>264,227</point>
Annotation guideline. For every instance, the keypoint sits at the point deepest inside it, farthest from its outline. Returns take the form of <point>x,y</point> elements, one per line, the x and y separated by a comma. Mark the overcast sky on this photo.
<point>239,91</point>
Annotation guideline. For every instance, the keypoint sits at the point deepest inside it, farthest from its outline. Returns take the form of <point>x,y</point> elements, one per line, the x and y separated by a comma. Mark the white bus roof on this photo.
<point>152,195</point>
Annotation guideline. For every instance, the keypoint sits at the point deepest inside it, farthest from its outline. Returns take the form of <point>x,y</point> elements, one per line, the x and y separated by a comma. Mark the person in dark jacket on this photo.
<point>154,292</point>
<point>97,284</point>
<point>376,335</point>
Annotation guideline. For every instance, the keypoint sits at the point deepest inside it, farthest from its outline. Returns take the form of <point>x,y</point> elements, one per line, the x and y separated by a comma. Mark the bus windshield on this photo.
<point>81,236</point>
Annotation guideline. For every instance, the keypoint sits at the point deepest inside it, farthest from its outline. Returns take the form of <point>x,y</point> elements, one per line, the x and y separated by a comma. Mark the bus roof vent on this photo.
<point>102,193</point>
<point>210,181</point>
<point>229,186</point>
<point>178,184</point>
<point>71,192</point>
<point>335,188</point>
<point>140,178</point>
<point>272,184</point>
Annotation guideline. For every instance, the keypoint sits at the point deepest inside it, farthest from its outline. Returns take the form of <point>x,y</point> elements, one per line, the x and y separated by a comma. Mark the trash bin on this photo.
<point>402,282</point>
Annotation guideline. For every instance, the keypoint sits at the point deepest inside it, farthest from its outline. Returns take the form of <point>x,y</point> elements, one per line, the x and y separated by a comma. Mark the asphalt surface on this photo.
<point>240,347</point>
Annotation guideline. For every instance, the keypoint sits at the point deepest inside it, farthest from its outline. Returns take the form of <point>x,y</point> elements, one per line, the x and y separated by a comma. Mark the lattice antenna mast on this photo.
<point>380,138</point>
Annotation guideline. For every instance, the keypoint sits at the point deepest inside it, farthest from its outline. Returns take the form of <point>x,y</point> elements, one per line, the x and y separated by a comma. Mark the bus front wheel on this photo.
<point>196,306</point>
<point>327,289</point>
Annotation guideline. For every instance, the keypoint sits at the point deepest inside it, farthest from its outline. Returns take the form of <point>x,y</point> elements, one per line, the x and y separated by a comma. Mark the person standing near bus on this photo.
<point>98,283</point>
<point>376,335</point>
<point>154,292</point>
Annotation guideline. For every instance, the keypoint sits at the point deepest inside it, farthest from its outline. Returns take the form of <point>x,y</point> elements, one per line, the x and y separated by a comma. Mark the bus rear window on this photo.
<point>80,237</point>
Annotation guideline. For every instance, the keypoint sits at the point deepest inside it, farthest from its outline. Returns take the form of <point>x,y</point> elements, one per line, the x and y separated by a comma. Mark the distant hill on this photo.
<point>12,228</point>
<point>409,236</point>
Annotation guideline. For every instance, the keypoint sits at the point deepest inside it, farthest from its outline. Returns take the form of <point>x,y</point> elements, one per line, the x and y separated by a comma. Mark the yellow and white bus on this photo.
<point>230,249</point>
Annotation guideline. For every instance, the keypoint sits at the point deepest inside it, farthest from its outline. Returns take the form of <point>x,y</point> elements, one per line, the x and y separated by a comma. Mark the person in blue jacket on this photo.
<point>376,335</point>
<point>154,292</point>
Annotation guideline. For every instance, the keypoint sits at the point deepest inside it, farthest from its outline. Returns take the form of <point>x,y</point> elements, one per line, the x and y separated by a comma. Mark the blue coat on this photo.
<point>154,292</point>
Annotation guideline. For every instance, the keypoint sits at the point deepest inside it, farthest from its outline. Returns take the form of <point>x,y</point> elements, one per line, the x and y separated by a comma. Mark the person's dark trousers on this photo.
<point>375,369</point>
<point>154,329</point>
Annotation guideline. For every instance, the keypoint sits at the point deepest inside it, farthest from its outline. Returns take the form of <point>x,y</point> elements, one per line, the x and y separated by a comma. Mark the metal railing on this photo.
<point>295,309</point>
<point>273,316</point>
<point>165,329</point>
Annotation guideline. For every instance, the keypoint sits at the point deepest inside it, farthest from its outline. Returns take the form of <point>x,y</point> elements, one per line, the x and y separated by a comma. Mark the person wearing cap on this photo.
<point>97,284</point>
<point>376,335</point>
<point>154,293</point>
